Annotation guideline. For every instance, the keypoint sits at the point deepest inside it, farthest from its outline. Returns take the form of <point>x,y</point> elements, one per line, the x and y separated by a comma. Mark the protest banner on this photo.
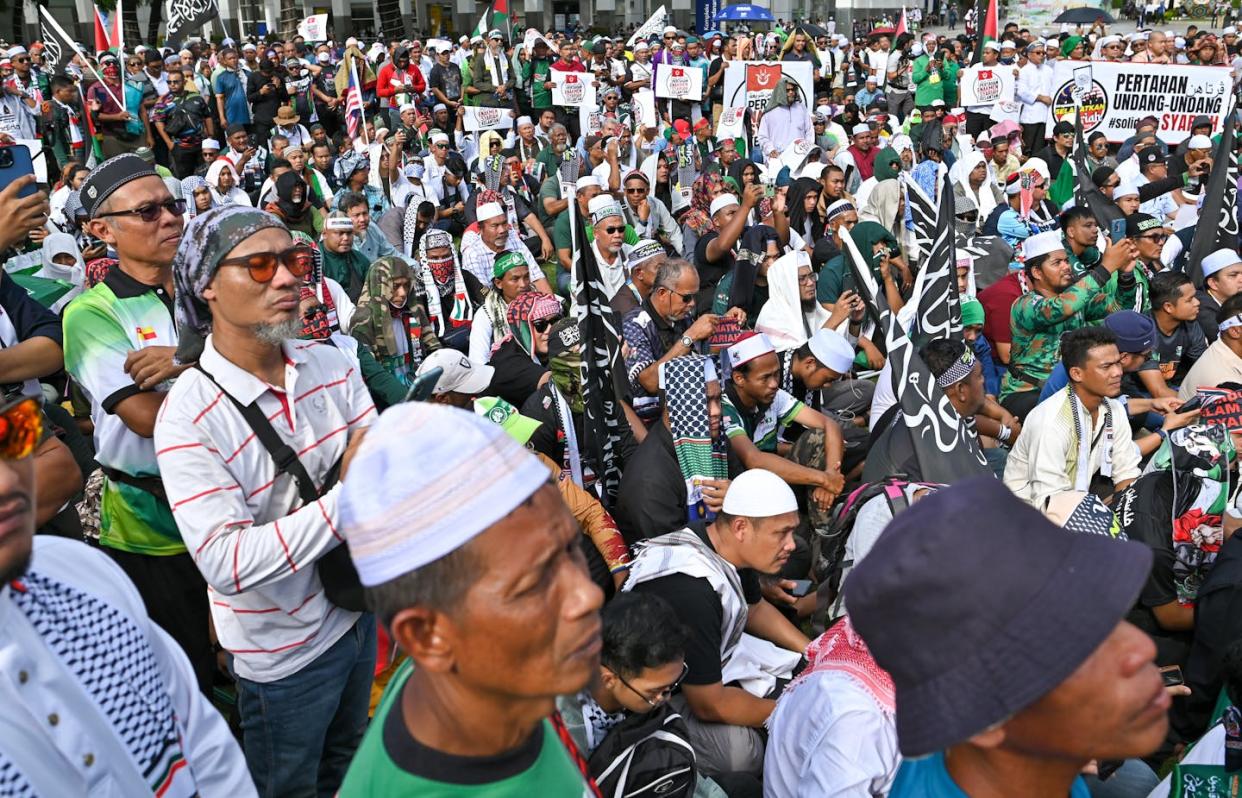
<point>1222,407</point>
<point>314,28</point>
<point>643,105</point>
<point>679,83</point>
<point>572,89</point>
<point>749,84</point>
<point>983,85</point>
<point>479,118</point>
<point>590,120</point>
<point>730,124</point>
<point>1122,93</point>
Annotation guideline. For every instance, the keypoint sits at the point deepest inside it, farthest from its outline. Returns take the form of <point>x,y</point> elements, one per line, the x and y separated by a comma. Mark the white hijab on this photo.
<point>63,244</point>
<point>782,318</point>
<point>235,195</point>
<point>984,199</point>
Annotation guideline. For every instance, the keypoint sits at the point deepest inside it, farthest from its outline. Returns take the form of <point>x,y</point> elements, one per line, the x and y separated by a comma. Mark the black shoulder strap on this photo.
<point>286,459</point>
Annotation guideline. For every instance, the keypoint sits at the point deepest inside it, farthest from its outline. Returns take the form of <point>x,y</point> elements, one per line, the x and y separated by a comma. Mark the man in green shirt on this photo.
<point>489,598</point>
<point>536,75</point>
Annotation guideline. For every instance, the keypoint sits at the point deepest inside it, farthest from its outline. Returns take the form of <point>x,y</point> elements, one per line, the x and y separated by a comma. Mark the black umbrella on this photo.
<point>814,31</point>
<point>1084,15</point>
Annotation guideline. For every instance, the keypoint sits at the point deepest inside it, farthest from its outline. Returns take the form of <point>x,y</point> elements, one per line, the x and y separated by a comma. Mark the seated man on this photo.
<point>1222,279</point>
<point>1222,361</point>
<point>520,360</point>
<point>941,601</point>
<point>817,374</point>
<point>756,414</point>
<point>1179,339</point>
<point>709,573</point>
<point>1076,434</point>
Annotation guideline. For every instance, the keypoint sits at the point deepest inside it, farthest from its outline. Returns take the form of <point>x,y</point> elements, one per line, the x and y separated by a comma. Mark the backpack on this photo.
<point>646,755</point>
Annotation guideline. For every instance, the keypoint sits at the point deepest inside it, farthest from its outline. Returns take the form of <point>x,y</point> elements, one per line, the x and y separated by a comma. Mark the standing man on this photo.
<point>230,90</point>
<point>23,86</point>
<point>119,343</point>
<point>182,119</point>
<point>264,535</point>
<point>473,710</point>
<point>1034,91</point>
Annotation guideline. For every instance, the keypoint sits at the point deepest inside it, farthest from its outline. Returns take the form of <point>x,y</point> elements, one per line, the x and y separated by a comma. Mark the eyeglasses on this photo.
<point>636,190</point>
<point>440,146</point>
<point>809,277</point>
<point>1159,238</point>
<point>614,229</point>
<point>21,427</point>
<point>664,693</point>
<point>151,212</point>
<point>543,325</point>
<point>262,265</point>
<point>683,297</point>
<point>21,59</point>
<point>1112,185</point>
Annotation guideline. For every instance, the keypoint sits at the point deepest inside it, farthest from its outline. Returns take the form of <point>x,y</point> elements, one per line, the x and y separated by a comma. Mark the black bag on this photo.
<point>646,755</point>
<point>336,570</point>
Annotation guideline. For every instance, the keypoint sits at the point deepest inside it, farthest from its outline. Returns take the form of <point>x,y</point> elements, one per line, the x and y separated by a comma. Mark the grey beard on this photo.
<point>278,333</point>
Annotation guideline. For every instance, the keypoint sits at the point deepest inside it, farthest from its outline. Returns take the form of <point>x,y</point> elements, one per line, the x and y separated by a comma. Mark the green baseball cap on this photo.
<point>498,411</point>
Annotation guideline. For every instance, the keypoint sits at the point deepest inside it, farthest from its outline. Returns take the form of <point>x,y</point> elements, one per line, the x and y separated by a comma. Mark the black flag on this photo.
<point>1086,195</point>
<point>57,46</point>
<point>1218,218</point>
<point>945,447</point>
<point>186,15</point>
<point>923,214</point>
<point>600,332</point>
<point>938,307</point>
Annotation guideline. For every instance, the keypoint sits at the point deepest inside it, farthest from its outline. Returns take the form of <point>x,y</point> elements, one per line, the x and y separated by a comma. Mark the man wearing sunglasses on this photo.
<point>22,96</point>
<point>119,339</point>
<point>261,532</point>
<point>98,694</point>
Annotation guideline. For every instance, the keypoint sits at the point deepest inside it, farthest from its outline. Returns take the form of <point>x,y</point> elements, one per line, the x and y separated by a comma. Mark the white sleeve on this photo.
<point>481,338</point>
<point>850,760</point>
<point>344,305</point>
<point>1025,89</point>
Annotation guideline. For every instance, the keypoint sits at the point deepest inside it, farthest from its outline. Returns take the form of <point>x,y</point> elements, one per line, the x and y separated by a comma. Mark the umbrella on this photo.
<point>814,31</point>
<point>745,12</point>
<point>1084,15</point>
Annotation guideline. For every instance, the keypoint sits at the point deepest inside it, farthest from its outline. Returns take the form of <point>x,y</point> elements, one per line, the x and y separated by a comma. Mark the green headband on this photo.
<point>506,261</point>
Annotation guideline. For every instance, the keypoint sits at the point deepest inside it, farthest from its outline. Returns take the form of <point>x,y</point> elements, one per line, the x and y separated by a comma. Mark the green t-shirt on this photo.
<point>101,328</point>
<point>763,426</point>
<point>534,74</point>
<point>391,763</point>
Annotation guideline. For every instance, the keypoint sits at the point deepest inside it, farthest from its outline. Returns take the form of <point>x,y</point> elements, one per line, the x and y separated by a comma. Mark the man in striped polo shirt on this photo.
<point>265,538</point>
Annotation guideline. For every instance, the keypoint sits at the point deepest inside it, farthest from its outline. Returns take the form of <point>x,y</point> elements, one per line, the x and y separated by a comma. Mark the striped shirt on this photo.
<point>245,526</point>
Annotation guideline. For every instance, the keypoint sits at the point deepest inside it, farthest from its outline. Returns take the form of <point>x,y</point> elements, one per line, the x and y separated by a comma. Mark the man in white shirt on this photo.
<point>876,59</point>
<point>98,699</point>
<point>1079,433</point>
<point>1222,362</point>
<point>608,244</point>
<point>1034,91</point>
<point>265,537</point>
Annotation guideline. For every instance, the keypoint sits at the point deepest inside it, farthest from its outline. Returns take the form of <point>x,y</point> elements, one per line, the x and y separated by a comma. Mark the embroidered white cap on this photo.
<point>758,493</point>
<point>1220,259</point>
<point>488,210</point>
<point>832,350</point>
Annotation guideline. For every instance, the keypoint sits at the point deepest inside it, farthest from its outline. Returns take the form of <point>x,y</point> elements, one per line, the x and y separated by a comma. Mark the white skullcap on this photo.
<point>1229,31</point>
<point>488,210</point>
<point>916,49</point>
<point>1180,42</point>
<point>603,206</point>
<point>1125,189</point>
<point>721,202</point>
<point>709,371</point>
<point>524,120</point>
<point>991,45</point>
<point>669,29</point>
<point>211,144</point>
<point>1042,244</point>
<point>860,129</point>
<point>759,493</point>
<point>1110,39</point>
<point>338,221</point>
<point>749,348</point>
<point>837,208</point>
<point>1035,45</point>
<point>407,107</point>
<point>384,504</point>
<point>586,181</point>
<point>439,138</point>
<point>832,350</point>
<point>1140,36</point>
<point>1220,259</point>
<point>1199,142</point>
<point>16,51</point>
<point>1008,44</point>
<point>248,46</point>
<point>641,46</point>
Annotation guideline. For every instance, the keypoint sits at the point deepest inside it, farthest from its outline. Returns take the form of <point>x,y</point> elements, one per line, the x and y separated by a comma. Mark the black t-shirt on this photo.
<point>265,106</point>
<point>701,614</point>
<point>446,79</point>
<point>517,376</point>
<point>1180,350</point>
<point>710,271</point>
<point>717,90</point>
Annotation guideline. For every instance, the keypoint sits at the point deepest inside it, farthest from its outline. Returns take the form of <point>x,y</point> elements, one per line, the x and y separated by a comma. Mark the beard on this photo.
<point>808,305</point>
<point>274,334</point>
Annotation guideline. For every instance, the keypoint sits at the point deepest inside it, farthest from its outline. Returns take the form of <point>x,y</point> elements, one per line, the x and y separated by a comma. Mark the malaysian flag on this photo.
<point>353,102</point>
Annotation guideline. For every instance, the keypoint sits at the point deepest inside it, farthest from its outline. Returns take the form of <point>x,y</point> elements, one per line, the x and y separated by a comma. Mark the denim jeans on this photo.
<point>299,733</point>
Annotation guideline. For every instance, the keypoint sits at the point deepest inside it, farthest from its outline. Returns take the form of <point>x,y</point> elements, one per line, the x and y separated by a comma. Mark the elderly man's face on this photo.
<point>610,234</point>
<point>514,282</point>
<point>1098,147</point>
<point>268,311</point>
<point>495,232</point>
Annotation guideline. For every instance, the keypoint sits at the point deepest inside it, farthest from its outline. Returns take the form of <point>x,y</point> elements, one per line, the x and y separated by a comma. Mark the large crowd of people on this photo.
<point>506,417</point>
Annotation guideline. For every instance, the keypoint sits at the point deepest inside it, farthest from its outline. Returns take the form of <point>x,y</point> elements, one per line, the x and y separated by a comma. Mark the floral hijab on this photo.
<point>698,218</point>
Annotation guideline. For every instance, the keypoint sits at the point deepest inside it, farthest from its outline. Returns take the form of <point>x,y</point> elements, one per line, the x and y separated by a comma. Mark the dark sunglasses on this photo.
<point>683,297</point>
<point>152,212</point>
<point>262,265</point>
<point>614,229</point>
<point>21,428</point>
<point>635,189</point>
<point>543,325</point>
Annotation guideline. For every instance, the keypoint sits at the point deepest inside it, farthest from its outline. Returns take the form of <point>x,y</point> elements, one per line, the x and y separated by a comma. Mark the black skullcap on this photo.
<point>109,176</point>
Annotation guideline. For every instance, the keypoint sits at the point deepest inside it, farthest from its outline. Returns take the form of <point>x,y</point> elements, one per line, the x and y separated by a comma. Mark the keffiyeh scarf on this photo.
<point>700,455</point>
<point>526,308</point>
<point>436,276</point>
<point>320,320</point>
<point>841,649</point>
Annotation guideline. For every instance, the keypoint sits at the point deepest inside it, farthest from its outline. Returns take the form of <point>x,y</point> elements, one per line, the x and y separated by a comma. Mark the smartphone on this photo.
<point>1192,404</point>
<point>1117,230</point>
<point>801,588</point>
<point>15,161</point>
<point>1172,675</point>
<point>424,385</point>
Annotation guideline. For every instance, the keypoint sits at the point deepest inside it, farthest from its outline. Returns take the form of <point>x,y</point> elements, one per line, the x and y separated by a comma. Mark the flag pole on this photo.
<point>120,29</point>
<point>362,108</point>
<point>47,17</point>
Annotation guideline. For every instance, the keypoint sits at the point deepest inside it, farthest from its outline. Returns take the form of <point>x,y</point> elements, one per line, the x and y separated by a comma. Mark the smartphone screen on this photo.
<point>801,588</point>
<point>1117,230</point>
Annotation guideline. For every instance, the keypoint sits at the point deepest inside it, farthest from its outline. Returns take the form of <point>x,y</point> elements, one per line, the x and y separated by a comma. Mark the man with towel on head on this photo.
<point>1007,644</point>
<point>709,573</point>
<point>490,600</point>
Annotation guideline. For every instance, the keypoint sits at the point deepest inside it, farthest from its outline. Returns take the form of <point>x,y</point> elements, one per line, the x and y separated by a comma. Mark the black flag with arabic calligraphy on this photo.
<point>186,15</point>
<point>923,214</point>
<point>938,308</point>
<point>57,48</point>
<point>1218,218</point>
<point>945,447</point>
<point>600,332</point>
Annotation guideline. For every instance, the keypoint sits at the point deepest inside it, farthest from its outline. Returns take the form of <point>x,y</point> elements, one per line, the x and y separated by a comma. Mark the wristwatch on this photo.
<point>687,342</point>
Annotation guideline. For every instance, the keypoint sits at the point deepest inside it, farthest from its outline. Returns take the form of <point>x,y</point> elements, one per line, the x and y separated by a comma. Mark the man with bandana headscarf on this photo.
<point>520,358</point>
<point>103,98</point>
<point>510,277</point>
<point>451,295</point>
<point>390,323</point>
<point>303,681</point>
<point>785,120</point>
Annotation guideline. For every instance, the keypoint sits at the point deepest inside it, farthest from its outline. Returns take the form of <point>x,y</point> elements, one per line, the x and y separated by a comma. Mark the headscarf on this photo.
<point>881,205</point>
<point>290,210</point>
<point>798,217</point>
<point>887,164</point>
<point>1069,44</point>
<point>737,169</point>
<point>566,368</point>
<point>780,95</point>
<point>900,143</point>
<point>235,196</point>
<point>782,318</point>
<point>750,256</point>
<point>189,186</point>
<point>174,187</point>
<point>698,218</point>
<point>843,650</point>
<point>97,271</point>
<point>366,74</point>
<point>373,317</point>
<point>700,455</point>
<point>62,244</point>
<point>320,320</point>
<point>207,239</point>
<point>436,276</point>
<point>959,173</point>
<point>526,308</point>
<point>866,235</point>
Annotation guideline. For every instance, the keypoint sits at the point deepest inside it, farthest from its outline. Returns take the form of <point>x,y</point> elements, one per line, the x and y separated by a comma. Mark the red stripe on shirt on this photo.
<point>284,546</point>
<point>185,446</point>
<point>324,438</point>
<point>328,521</point>
<point>261,488</point>
<point>237,451</point>
<point>360,416</point>
<point>279,649</point>
<point>265,610</point>
<point>217,531</point>
<point>236,548</point>
<point>325,385</point>
<point>205,410</point>
<point>207,492</point>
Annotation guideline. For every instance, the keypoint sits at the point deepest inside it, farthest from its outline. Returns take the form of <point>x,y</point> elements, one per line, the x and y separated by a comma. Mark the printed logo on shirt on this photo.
<point>146,333</point>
